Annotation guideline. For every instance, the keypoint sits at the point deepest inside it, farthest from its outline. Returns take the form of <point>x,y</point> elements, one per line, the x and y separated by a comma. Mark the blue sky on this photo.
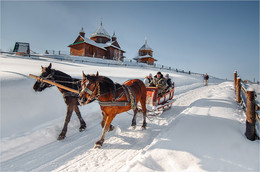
<point>216,37</point>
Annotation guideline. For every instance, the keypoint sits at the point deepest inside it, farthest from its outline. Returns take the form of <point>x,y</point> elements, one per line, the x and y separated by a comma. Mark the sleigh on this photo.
<point>155,103</point>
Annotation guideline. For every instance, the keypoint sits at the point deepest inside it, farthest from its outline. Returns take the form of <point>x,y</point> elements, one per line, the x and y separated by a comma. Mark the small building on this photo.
<point>145,54</point>
<point>99,45</point>
<point>22,48</point>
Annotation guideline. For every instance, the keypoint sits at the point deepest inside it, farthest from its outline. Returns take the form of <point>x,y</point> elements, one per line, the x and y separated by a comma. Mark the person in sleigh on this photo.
<point>160,82</point>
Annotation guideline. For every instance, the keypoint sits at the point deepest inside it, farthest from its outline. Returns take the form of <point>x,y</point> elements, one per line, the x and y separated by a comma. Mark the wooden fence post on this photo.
<point>235,79</point>
<point>250,115</point>
<point>238,91</point>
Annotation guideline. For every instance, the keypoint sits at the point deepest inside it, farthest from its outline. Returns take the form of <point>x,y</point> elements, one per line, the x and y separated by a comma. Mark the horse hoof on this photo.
<point>99,143</point>
<point>97,146</point>
<point>82,129</point>
<point>111,128</point>
<point>61,137</point>
<point>134,126</point>
<point>143,127</point>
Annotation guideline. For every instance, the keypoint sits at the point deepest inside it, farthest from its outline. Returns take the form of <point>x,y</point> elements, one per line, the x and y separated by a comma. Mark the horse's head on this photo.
<point>47,73</point>
<point>90,88</point>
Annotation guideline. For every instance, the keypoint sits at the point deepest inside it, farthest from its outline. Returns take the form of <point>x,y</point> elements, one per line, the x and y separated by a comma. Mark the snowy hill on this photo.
<point>204,131</point>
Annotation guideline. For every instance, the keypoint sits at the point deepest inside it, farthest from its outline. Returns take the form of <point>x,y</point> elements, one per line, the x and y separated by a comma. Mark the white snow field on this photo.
<point>203,131</point>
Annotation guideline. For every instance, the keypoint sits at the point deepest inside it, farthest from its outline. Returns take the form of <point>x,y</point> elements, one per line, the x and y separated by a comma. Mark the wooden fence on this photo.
<point>247,98</point>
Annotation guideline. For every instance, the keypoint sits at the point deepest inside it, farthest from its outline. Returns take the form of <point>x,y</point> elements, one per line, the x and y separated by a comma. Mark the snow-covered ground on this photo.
<point>203,131</point>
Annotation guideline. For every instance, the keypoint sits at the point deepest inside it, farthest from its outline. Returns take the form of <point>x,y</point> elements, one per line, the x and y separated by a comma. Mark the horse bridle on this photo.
<point>90,92</point>
<point>50,76</point>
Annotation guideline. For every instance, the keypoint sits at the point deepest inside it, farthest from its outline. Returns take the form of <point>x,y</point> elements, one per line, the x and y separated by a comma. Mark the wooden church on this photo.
<point>145,54</point>
<point>99,45</point>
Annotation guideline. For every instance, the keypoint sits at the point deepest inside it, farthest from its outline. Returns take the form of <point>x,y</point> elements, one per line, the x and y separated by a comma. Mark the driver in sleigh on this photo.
<point>160,82</point>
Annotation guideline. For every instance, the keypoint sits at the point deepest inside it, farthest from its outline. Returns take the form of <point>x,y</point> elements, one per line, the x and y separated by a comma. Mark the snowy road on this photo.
<point>203,131</point>
<point>203,125</point>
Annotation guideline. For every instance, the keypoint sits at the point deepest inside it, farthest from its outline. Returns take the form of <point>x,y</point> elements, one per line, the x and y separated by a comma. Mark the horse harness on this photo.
<point>70,94</point>
<point>130,95</point>
<point>127,90</point>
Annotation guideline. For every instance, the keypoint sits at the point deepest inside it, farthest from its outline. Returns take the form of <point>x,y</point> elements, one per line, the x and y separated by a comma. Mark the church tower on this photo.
<point>146,50</point>
<point>101,35</point>
<point>145,54</point>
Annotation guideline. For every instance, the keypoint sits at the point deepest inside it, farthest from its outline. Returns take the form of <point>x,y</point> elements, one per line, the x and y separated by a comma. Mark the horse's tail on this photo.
<point>143,102</point>
<point>143,96</point>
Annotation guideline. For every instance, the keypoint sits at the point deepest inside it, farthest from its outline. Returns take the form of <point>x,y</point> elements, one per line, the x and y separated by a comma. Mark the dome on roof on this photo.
<point>145,46</point>
<point>101,32</point>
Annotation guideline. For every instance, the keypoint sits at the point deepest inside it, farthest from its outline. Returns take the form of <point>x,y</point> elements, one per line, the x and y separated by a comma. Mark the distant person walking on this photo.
<point>206,78</point>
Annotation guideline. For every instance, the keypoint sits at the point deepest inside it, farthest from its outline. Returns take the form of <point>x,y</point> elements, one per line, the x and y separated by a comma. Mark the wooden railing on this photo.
<point>247,98</point>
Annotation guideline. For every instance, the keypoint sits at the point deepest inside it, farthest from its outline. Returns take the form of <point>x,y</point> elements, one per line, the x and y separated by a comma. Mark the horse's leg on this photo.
<point>143,104</point>
<point>109,119</point>
<point>134,119</point>
<point>67,120</point>
<point>82,122</point>
<point>111,128</point>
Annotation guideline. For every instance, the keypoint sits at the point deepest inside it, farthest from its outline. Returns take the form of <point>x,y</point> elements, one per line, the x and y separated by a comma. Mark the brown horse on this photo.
<point>113,99</point>
<point>71,99</point>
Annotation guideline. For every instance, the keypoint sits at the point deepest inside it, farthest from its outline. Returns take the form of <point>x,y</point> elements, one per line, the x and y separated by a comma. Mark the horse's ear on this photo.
<point>49,67</point>
<point>43,69</point>
<point>97,74</point>
<point>84,76</point>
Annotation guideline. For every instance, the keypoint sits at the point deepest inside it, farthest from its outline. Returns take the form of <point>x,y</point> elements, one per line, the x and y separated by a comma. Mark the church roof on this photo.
<point>145,46</point>
<point>101,32</point>
<point>99,45</point>
<point>143,57</point>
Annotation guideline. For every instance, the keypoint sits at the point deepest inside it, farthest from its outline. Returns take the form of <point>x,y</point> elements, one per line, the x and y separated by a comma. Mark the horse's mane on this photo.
<point>62,74</point>
<point>63,78</point>
<point>106,84</point>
